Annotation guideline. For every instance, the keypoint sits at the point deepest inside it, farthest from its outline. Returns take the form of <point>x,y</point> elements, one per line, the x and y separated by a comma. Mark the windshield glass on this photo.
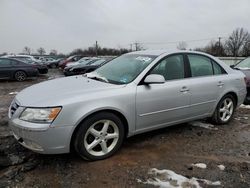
<point>26,59</point>
<point>245,64</point>
<point>83,61</point>
<point>98,62</point>
<point>124,69</point>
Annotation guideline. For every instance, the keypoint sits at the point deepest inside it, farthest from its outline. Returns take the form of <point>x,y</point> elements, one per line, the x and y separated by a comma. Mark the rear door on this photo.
<point>161,104</point>
<point>206,83</point>
<point>5,68</point>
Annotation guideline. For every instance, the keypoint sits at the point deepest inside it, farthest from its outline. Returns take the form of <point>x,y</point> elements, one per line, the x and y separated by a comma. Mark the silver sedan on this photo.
<point>134,93</point>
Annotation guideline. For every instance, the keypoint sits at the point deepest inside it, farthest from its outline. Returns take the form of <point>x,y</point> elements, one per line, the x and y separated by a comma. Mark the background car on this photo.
<point>16,69</point>
<point>83,60</point>
<point>74,58</point>
<point>42,68</point>
<point>244,66</point>
<point>85,68</point>
<point>53,63</point>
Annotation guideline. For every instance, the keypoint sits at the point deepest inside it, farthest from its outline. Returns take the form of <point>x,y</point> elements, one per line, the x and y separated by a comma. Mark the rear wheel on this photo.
<point>99,136</point>
<point>20,76</point>
<point>224,110</point>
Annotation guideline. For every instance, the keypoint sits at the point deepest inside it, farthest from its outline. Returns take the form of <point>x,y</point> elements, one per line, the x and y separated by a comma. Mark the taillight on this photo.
<point>245,79</point>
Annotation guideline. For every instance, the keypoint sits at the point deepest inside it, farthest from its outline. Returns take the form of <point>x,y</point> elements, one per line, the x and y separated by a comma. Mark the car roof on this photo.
<point>165,52</point>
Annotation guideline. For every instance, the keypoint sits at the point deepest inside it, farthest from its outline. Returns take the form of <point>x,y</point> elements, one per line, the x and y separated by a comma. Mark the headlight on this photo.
<point>40,115</point>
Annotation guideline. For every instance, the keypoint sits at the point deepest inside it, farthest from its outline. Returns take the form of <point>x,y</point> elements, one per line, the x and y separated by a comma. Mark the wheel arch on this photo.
<point>234,96</point>
<point>117,113</point>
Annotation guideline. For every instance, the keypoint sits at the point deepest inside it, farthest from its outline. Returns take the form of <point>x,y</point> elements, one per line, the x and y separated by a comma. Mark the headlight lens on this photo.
<point>40,115</point>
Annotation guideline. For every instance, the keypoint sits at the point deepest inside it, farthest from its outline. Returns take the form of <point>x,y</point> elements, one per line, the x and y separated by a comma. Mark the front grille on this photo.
<point>13,108</point>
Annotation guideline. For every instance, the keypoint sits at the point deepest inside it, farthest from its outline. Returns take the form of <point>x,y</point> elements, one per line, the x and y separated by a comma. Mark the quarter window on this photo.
<point>217,69</point>
<point>200,65</point>
<point>171,68</point>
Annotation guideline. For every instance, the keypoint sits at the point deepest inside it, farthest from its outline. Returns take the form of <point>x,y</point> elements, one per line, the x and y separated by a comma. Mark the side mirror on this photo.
<point>154,79</point>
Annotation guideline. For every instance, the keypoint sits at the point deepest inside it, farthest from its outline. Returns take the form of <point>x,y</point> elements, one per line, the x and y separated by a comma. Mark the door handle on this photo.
<point>184,89</point>
<point>220,84</point>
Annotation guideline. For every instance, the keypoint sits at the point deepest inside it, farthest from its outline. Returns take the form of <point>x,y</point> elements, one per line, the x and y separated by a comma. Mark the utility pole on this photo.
<point>219,50</point>
<point>136,46</point>
<point>131,47</point>
<point>96,48</point>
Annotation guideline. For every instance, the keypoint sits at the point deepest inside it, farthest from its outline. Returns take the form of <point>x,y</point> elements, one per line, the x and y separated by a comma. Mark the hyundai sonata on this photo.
<point>131,94</point>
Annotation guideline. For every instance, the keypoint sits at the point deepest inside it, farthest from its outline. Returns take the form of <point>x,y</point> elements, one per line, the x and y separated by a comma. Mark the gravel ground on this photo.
<point>177,148</point>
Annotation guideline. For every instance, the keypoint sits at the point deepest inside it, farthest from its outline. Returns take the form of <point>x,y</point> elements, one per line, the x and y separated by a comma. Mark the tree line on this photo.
<point>236,45</point>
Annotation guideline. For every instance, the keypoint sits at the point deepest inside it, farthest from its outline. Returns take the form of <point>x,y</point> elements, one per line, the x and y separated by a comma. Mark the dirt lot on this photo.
<point>175,148</point>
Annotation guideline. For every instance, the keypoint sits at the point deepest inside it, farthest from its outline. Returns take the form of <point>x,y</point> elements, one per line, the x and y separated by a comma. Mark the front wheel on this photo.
<point>224,110</point>
<point>99,136</point>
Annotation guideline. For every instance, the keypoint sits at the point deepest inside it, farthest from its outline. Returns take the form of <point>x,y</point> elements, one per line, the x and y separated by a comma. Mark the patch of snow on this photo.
<point>13,93</point>
<point>169,179</point>
<point>221,167</point>
<point>245,106</point>
<point>200,165</point>
<point>240,118</point>
<point>203,125</point>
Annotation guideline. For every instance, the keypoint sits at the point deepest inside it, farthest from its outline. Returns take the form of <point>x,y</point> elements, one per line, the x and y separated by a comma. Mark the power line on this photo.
<point>176,42</point>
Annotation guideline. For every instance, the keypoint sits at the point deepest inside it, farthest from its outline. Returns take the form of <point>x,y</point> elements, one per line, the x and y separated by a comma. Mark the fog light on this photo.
<point>32,145</point>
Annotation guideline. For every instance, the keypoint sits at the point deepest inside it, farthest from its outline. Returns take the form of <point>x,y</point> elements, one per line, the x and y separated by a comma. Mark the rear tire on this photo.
<point>225,110</point>
<point>99,136</point>
<point>20,76</point>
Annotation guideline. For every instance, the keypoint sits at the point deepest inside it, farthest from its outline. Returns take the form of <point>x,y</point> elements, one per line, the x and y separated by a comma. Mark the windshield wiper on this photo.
<point>95,76</point>
<point>98,78</point>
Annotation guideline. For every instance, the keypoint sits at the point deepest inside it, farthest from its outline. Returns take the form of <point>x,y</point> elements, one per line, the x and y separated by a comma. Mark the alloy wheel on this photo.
<point>101,137</point>
<point>20,76</point>
<point>226,109</point>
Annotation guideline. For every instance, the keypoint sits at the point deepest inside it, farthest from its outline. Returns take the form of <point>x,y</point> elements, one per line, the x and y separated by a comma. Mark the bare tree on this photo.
<point>41,51</point>
<point>246,48</point>
<point>26,50</point>
<point>215,48</point>
<point>53,52</point>
<point>236,41</point>
<point>138,46</point>
<point>182,45</point>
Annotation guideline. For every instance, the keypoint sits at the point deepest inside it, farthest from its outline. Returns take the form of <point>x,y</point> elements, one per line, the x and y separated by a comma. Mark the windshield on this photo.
<point>83,61</point>
<point>98,62</point>
<point>26,59</point>
<point>245,64</point>
<point>124,69</point>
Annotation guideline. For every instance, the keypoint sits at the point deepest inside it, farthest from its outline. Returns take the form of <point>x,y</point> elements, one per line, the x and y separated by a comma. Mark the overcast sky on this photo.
<point>65,25</point>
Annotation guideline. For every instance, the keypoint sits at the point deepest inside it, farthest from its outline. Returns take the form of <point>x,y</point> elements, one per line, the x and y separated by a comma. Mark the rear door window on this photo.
<point>200,65</point>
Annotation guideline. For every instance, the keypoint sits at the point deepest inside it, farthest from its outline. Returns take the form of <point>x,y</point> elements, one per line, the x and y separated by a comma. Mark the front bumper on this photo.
<point>41,138</point>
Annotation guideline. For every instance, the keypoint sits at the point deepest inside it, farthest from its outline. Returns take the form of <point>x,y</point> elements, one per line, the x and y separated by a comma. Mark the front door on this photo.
<point>160,104</point>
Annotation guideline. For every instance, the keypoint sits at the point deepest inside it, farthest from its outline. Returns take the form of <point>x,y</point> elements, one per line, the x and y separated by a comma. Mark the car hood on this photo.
<point>61,91</point>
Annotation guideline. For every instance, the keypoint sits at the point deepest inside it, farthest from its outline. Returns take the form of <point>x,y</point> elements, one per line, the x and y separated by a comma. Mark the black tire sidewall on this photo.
<point>79,139</point>
<point>217,115</point>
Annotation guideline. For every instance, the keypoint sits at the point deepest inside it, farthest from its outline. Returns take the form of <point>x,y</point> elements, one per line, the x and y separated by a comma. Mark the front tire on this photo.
<point>99,136</point>
<point>225,110</point>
